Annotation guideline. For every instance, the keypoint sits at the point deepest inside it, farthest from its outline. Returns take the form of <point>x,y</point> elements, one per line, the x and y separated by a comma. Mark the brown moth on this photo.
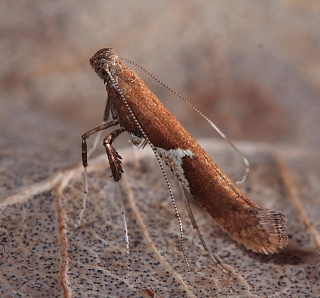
<point>136,110</point>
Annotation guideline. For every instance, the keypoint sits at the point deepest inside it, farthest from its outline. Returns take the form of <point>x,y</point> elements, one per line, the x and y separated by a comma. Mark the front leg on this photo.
<point>85,161</point>
<point>90,133</point>
<point>113,156</point>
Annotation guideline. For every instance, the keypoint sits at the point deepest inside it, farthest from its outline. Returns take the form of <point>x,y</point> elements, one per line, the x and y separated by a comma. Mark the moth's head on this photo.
<point>102,60</point>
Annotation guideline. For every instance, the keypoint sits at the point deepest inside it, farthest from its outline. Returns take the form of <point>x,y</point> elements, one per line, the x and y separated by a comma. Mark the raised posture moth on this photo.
<point>136,110</point>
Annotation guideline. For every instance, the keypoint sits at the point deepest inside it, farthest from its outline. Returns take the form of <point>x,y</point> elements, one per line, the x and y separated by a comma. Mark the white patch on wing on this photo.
<point>174,159</point>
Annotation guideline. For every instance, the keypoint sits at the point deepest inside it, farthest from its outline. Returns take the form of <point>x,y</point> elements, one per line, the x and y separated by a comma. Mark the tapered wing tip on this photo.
<point>268,237</point>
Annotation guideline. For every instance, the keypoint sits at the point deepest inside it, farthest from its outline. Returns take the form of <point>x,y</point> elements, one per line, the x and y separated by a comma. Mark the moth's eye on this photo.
<point>103,74</point>
<point>137,133</point>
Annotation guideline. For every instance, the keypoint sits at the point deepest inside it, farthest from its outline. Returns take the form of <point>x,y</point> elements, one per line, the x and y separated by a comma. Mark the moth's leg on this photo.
<point>85,162</point>
<point>110,106</point>
<point>107,110</point>
<point>113,156</point>
<point>90,133</point>
<point>110,109</point>
<point>116,169</point>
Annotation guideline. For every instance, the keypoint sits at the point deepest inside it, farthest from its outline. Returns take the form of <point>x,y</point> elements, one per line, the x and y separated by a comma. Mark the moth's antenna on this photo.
<point>215,127</point>
<point>213,257</point>
<point>144,135</point>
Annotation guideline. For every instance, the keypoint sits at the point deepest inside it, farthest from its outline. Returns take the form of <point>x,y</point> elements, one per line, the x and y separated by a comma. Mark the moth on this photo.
<point>134,109</point>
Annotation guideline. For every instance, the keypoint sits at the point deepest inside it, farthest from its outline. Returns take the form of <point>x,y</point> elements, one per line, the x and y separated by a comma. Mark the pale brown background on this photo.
<point>251,66</point>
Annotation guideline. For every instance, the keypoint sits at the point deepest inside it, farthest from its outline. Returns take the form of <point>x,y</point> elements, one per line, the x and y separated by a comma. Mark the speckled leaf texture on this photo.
<point>250,66</point>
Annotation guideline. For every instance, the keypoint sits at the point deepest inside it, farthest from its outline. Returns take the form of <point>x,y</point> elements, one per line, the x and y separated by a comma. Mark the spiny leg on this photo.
<point>113,156</point>
<point>85,162</point>
<point>116,169</point>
